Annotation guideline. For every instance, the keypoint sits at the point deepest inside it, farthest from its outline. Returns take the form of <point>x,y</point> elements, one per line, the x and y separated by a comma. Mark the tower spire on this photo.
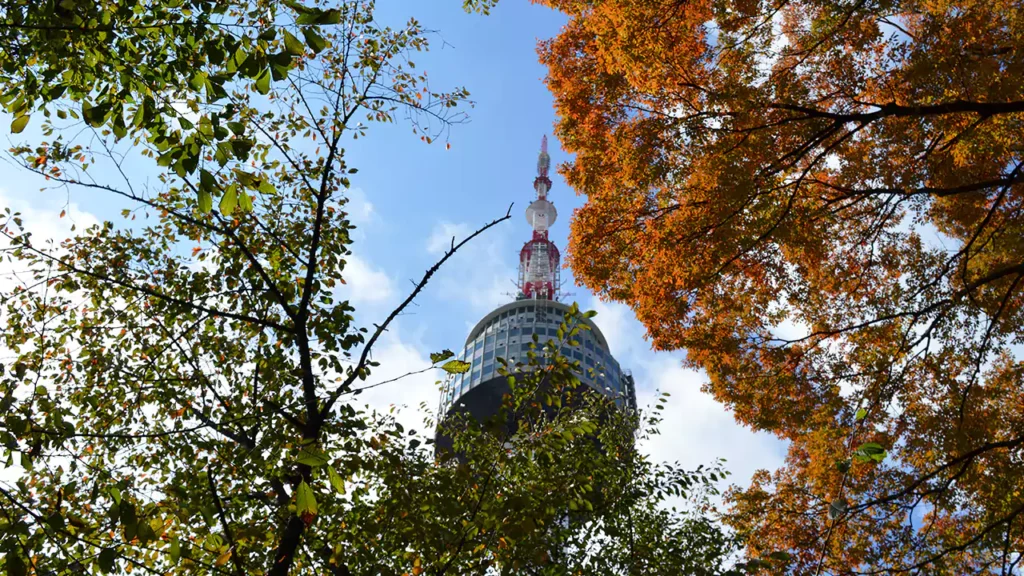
<point>539,260</point>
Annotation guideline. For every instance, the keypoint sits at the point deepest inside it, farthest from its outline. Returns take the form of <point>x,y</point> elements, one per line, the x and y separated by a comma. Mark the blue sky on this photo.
<point>410,198</point>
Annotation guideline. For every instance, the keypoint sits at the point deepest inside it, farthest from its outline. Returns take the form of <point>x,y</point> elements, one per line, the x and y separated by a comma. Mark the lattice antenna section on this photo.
<point>539,260</point>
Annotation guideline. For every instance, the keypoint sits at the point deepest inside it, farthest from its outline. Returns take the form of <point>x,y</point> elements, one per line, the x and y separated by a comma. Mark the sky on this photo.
<point>409,199</point>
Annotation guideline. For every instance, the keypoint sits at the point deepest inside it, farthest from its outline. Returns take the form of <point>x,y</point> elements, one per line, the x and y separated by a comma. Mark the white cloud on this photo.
<point>182,108</point>
<point>41,215</point>
<point>791,329</point>
<point>444,234</point>
<point>360,210</point>
<point>364,283</point>
<point>697,429</point>
<point>408,395</point>
<point>619,327</point>
<point>477,274</point>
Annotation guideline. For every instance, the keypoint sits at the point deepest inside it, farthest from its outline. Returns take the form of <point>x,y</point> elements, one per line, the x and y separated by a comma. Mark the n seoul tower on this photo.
<point>508,330</point>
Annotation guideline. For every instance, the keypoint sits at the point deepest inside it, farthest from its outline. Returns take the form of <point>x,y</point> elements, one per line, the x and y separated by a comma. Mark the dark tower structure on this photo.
<point>507,331</point>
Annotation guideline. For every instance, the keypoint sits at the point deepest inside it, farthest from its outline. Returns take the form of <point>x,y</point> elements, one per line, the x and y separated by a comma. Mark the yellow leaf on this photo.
<point>222,559</point>
<point>19,124</point>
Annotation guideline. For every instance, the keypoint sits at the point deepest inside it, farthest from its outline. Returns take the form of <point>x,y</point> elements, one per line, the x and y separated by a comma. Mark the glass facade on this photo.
<point>508,333</point>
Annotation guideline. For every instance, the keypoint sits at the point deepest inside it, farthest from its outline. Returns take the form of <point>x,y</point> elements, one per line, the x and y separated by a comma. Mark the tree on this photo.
<point>177,389</point>
<point>821,202</point>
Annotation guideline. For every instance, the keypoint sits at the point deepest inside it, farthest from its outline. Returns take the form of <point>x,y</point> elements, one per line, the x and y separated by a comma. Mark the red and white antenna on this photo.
<point>539,260</point>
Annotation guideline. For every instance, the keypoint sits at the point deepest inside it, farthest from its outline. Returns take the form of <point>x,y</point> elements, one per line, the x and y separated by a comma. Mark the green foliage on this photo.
<point>479,6</point>
<point>869,452</point>
<point>557,471</point>
<point>436,357</point>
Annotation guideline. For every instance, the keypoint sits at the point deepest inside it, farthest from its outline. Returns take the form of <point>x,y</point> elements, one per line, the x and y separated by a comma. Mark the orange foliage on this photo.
<point>855,170</point>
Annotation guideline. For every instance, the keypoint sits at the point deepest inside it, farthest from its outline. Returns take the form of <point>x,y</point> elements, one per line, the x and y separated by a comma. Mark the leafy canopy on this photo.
<point>821,202</point>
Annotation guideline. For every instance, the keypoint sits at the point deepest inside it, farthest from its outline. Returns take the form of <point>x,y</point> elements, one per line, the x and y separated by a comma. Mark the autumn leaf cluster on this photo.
<point>821,202</point>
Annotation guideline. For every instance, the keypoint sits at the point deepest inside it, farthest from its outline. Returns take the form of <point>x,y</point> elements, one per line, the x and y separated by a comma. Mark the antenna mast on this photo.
<point>539,260</point>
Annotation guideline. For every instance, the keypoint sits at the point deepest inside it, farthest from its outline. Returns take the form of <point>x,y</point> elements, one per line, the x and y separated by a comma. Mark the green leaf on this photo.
<point>237,127</point>
<point>293,44</point>
<point>860,415</point>
<point>175,550</point>
<point>95,115</point>
<point>205,202</point>
<point>245,202</point>
<point>55,521</point>
<point>441,356</point>
<point>108,557</point>
<point>263,81</point>
<point>229,201</point>
<point>207,181</point>
<point>280,64</point>
<point>317,16</point>
<point>140,115</point>
<point>267,188</point>
<point>315,41</point>
<point>843,466</point>
<point>311,457</point>
<point>205,126</point>
<point>240,148</point>
<point>129,520</point>
<point>305,500</point>
<point>118,126</point>
<point>115,494</point>
<point>456,367</point>
<point>244,178</point>
<point>145,532</point>
<point>208,517</point>
<point>336,480</point>
<point>14,565</point>
<point>869,452</point>
<point>19,124</point>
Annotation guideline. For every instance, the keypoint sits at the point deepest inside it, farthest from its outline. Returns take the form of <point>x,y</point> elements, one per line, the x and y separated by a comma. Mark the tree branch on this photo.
<point>361,365</point>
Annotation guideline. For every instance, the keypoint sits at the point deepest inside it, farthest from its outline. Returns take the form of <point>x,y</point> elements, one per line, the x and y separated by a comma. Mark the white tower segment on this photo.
<point>539,260</point>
